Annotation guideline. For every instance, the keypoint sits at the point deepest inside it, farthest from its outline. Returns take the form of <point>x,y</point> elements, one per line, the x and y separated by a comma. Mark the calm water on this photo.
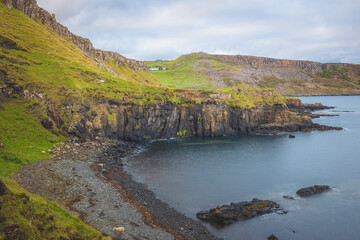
<point>201,173</point>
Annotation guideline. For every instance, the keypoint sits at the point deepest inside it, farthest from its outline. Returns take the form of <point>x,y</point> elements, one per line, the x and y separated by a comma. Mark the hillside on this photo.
<point>56,88</point>
<point>287,77</point>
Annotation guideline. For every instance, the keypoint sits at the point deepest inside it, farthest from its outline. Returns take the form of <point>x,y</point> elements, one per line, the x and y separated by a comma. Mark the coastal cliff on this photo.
<point>168,120</point>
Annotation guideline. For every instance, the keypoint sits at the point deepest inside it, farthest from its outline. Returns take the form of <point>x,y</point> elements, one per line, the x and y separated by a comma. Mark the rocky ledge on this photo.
<point>310,191</point>
<point>227,214</point>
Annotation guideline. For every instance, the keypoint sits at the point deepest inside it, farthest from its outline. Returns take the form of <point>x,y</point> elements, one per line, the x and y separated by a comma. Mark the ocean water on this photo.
<point>200,173</point>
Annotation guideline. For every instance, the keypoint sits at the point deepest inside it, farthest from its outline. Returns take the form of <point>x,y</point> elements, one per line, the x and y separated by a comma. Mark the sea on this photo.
<point>195,174</point>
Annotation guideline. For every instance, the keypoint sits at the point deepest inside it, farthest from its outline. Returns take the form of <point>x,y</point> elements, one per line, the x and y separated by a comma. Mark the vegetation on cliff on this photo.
<point>23,137</point>
<point>287,77</point>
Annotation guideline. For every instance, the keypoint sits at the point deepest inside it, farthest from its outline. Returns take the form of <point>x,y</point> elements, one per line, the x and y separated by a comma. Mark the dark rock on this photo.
<point>288,197</point>
<point>13,232</point>
<point>309,191</point>
<point>9,43</point>
<point>272,237</point>
<point>291,136</point>
<point>47,123</point>
<point>2,188</point>
<point>1,202</point>
<point>2,219</point>
<point>227,214</point>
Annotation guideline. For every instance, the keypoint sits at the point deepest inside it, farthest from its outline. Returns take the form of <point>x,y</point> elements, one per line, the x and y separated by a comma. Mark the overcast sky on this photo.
<point>325,31</point>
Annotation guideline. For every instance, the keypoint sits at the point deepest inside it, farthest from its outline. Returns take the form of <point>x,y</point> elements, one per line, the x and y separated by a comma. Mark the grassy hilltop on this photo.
<point>287,77</point>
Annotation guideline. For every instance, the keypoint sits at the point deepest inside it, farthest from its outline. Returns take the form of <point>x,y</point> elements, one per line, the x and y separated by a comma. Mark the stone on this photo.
<point>272,237</point>
<point>291,136</point>
<point>47,123</point>
<point>309,191</point>
<point>227,214</point>
<point>288,197</point>
<point>3,187</point>
<point>13,231</point>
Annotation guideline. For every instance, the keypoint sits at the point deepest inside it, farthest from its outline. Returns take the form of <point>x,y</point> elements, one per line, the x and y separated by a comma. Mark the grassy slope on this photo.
<point>24,139</point>
<point>37,218</point>
<point>180,74</point>
<point>194,71</point>
<point>23,136</point>
<point>55,65</point>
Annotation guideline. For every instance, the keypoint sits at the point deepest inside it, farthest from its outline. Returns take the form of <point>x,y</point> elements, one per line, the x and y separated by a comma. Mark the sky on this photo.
<point>317,30</point>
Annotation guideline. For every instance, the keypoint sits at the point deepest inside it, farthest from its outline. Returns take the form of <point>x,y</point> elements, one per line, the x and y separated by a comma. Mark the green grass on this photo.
<point>23,136</point>
<point>51,64</point>
<point>181,73</point>
<point>37,218</point>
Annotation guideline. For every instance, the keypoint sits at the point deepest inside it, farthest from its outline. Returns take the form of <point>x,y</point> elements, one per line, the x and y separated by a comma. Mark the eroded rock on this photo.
<point>309,191</point>
<point>227,214</point>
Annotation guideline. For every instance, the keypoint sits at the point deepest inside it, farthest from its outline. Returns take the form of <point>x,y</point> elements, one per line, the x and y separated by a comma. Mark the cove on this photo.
<point>196,174</point>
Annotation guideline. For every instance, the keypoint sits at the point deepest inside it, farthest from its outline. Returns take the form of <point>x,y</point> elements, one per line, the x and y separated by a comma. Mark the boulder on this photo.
<point>227,214</point>
<point>309,191</point>
<point>288,197</point>
<point>291,136</point>
<point>272,237</point>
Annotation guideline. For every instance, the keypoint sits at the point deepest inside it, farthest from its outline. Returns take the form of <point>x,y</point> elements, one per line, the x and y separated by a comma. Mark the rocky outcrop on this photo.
<point>264,62</point>
<point>227,214</point>
<point>168,120</point>
<point>272,237</point>
<point>310,191</point>
<point>31,9</point>
<point>295,105</point>
<point>127,121</point>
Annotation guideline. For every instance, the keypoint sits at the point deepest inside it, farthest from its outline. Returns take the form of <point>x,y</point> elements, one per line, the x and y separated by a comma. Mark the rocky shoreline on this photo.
<point>88,180</point>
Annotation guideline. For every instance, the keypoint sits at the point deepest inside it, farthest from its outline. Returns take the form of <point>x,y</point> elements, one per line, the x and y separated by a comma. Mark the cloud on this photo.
<point>298,29</point>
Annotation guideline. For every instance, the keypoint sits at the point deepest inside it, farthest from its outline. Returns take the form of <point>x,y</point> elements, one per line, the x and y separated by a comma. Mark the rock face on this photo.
<point>2,188</point>
<point>30,8</point>
<point>309,191</point>
<point>295,105</point>
<point>277,64</point>
<point>134,123</point>
<point>227,214</point>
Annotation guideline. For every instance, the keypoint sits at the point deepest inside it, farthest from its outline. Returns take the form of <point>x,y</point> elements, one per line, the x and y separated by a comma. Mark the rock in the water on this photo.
<point>2,188</point>
<point>272,237</point>
<point>291,136</point>
<point>289,197</point>
<point>309,191</point>
<point>238,211</point>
